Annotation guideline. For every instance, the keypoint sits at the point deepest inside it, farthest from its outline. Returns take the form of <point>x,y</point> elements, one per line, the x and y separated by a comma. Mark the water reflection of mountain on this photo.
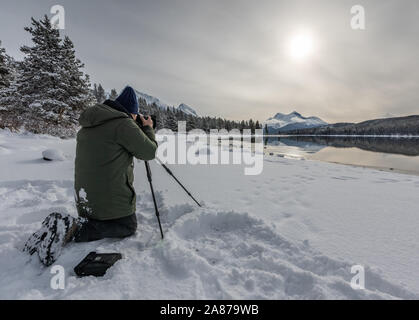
<point>309,146</point>
<point>405,146</point>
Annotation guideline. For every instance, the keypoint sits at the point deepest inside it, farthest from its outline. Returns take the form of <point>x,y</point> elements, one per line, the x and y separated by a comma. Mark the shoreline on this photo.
<point>385,169</point>
<point>401,136</point>
<point>378,168</point>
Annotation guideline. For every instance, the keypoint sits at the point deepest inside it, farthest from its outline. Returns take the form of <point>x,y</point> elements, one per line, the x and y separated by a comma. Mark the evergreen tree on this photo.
<point>39,86</point>
<point>94,91</point>
<point>9,118</point>
<point>251,126</point>
<point>205,124</point>
<point>78,84</point>
<point>5,72</point>
<point>101,96</point>
<point>113,95</point>
<point>8,71</point>
<point>51,88</point>
<point>142,103</point>
<point>190,122</point>
<point>171,121</point>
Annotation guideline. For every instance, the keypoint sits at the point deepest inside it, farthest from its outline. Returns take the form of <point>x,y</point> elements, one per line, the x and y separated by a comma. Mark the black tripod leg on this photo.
<point>173,176</point>
<point>148,170</point>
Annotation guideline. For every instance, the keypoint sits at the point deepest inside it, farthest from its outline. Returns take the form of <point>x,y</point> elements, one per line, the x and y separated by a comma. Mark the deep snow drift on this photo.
<point>292,232</point>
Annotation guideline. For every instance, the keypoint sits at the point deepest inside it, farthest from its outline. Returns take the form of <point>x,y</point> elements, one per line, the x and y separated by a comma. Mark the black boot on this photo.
<point>56,231</point>
<point>31,245</point>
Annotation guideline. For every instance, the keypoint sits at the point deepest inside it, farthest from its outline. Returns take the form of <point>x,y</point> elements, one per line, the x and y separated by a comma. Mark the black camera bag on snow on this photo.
<point>96,264</point>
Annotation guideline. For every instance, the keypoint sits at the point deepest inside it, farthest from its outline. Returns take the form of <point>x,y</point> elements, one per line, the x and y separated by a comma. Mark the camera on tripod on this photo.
<point>140,123</point>
<point>148,171</point>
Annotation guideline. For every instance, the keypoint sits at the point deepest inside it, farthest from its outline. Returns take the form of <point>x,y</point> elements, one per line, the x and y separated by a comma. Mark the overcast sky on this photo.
<point>231,58</point>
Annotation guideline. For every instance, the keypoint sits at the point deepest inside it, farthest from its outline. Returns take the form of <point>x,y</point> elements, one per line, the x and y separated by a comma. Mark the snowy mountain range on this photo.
<point>150,100</point>
<point>280,122</point>
<point>294,120</point>
<point>187,109</point>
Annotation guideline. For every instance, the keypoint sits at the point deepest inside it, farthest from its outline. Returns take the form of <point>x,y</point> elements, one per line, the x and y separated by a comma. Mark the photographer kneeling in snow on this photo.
<point>105,196</point>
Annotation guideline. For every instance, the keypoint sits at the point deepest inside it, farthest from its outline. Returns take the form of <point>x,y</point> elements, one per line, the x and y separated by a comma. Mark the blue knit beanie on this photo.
<point>129,100</point>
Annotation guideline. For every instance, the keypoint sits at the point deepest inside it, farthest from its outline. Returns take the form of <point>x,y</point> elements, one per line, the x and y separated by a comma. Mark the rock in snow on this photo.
<point>53,155</point>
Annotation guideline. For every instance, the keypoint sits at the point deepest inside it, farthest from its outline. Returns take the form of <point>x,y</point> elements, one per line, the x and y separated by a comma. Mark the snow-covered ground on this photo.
<point>292,232</point>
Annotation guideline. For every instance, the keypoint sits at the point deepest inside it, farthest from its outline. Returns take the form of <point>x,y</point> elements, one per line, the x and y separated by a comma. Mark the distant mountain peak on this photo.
<point>280,115</point>
<point>150,100</point>
<point>187,109</point>
<point>294,120</point>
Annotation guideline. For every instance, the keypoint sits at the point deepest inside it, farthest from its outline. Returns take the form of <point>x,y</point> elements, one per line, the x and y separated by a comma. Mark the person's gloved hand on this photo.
<point>146,122</point>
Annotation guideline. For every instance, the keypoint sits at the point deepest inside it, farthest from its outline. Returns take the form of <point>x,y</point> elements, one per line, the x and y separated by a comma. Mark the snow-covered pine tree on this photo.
<point>101,96</point>
<point>8,74</point>
<point>113,95</point>
<point>40,85</point>
<point>171,121</point>
<point>4,69</point>
<point>78,93</point>
<point>94,91</point>
<point>190,123</point>
<point>8,69</point>
<point>52,89</point>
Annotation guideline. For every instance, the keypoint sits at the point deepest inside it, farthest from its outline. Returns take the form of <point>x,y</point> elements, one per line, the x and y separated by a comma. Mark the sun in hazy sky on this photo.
<point>301,46</point>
